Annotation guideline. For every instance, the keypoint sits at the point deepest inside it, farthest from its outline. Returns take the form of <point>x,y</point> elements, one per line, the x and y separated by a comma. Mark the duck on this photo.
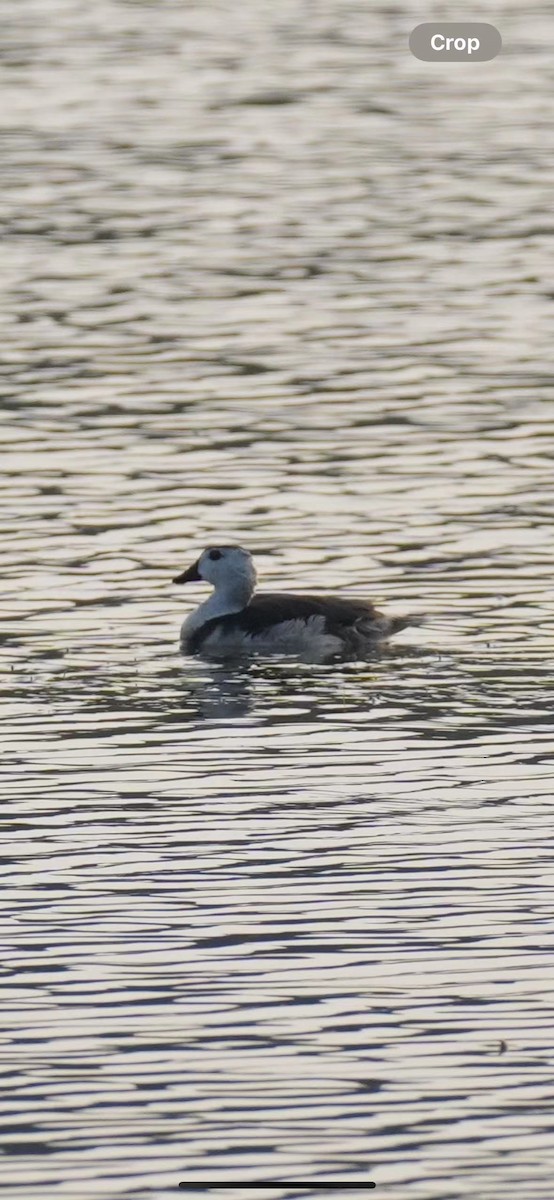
<point>236,620</point>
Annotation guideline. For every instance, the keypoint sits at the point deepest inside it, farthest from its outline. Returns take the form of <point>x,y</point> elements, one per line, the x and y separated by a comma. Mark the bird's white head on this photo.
<point>229,569</point>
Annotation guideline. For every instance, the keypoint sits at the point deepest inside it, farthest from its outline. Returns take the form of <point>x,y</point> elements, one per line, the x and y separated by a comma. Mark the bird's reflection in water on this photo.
<point>277,689</point>
<point>219,691</point>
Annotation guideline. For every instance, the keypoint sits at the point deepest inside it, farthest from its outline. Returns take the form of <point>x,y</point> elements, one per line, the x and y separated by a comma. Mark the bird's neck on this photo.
<point>225,600</point>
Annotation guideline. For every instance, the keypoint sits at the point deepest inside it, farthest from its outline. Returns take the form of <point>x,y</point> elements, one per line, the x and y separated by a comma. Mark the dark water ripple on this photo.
<point>267,278</point>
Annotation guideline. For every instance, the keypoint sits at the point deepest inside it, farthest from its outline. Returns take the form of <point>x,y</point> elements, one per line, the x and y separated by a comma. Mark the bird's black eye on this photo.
<point>214,555</point>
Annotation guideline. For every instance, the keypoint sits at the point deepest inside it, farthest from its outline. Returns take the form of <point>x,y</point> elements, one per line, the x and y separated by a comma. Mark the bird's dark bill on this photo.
<point>188,576</point>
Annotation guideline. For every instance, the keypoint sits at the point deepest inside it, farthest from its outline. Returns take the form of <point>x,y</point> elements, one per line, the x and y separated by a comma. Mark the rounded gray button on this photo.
<point>455,41</point>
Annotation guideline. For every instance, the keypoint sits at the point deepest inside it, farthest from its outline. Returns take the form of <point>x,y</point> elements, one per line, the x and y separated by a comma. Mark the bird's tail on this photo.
<point>398,623</point>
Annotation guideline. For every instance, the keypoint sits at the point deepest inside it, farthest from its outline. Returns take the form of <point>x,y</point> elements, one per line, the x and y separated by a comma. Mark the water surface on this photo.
<point>268,279</point>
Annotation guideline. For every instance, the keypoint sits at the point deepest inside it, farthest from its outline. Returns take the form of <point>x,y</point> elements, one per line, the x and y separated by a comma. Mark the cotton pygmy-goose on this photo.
<point>235,621</point>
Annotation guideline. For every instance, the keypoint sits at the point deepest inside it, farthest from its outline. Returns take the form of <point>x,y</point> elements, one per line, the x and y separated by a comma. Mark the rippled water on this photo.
<point>267,278</point>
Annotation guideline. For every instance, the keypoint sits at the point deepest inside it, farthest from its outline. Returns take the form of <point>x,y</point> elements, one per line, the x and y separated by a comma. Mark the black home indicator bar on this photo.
<point>204,1186</point>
